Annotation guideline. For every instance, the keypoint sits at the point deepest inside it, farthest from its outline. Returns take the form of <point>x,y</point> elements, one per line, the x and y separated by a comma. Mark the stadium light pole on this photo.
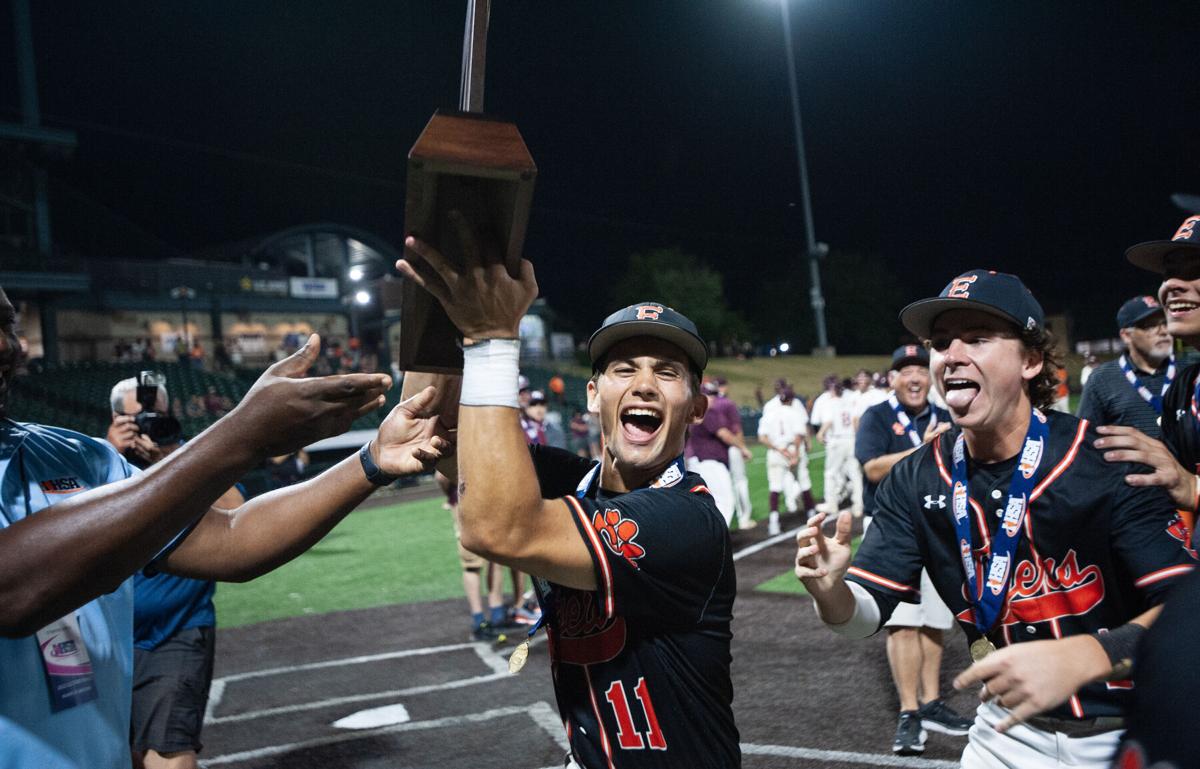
<point>815,250</point>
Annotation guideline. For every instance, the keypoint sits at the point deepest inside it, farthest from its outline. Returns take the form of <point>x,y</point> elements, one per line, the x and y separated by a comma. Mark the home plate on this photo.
<point>388,715</point>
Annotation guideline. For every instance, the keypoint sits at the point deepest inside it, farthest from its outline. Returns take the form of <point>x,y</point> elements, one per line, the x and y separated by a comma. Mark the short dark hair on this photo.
<point>1043,388</point>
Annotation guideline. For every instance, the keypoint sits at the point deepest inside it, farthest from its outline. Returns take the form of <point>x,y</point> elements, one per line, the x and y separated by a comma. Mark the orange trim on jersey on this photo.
<point>878,580</point>
<point>941,466</point>
<point>1161,574</point>
<point>1062,466</point>
<point>701,487</point>
<point>598,547</point>
<point>587,673</point>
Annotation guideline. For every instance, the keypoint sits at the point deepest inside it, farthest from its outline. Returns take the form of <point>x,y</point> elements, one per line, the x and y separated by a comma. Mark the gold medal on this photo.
<point>981,648</point>
<point>516,660</point>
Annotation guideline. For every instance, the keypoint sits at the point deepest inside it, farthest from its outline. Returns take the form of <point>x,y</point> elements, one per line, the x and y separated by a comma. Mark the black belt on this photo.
<point>1077,727</point>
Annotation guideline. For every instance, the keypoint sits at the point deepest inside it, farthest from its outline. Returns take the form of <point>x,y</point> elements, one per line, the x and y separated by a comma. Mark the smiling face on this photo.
<point>982,369</point>
<point>912,386</point>
<point>645,398</point>
<point>1148,341</point>
<point>1179,295</point>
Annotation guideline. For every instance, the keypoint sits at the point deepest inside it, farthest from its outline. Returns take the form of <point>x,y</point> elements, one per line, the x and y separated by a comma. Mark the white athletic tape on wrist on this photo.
<point>865,620</point>
<point>490,371</point>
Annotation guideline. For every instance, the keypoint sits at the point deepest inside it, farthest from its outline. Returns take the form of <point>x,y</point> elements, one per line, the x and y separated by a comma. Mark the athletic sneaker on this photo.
<point>910,737</point>
<point>936,716</point>
<point>746,524</point>
<point>773,525</point>
<point>523,615</point>
<point>486,631</point>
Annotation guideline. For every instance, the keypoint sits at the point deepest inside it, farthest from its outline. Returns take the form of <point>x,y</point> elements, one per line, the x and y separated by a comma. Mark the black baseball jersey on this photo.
<point>1095,551</point>
<point>1109,399</point>
<point>880,433</point>
<point>1167,685</point>
<point>1180,428</point>
<point>641,665</point>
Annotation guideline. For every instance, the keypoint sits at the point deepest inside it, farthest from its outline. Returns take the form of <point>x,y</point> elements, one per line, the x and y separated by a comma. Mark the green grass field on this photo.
<point>389,555</point>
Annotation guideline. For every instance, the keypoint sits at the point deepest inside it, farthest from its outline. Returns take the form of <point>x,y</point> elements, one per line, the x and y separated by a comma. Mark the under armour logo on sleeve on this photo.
<point>940,502</point>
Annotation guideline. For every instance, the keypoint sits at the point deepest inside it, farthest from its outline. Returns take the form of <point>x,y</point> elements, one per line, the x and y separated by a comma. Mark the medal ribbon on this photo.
<point>909,428</point>
<point>1155,401</point>
<point>988,600</point>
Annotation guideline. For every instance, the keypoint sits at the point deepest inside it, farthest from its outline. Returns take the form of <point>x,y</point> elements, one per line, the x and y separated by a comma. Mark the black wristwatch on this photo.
<point>374,474</point>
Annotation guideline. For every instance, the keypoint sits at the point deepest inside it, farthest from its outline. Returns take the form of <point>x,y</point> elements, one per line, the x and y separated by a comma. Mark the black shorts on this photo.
<point>170,691</point>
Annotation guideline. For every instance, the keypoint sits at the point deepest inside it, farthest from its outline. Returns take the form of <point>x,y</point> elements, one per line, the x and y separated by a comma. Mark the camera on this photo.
<point>163,429</point>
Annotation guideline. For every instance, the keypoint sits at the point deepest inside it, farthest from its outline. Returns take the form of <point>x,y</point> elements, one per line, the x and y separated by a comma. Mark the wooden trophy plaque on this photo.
<point>479,166</point>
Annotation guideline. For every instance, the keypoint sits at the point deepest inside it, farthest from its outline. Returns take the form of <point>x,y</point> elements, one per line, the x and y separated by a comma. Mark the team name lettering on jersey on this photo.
<point>62,485</point>
<point>1051,592</point>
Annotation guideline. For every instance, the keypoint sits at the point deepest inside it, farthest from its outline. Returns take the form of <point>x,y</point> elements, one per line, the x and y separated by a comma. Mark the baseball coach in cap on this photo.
<point>631,557</point>
<point>1129,390</point>
<point>1051,563</point>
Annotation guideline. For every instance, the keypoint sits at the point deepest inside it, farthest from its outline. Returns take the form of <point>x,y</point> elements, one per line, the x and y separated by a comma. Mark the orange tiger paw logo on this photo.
<point>618,533</point>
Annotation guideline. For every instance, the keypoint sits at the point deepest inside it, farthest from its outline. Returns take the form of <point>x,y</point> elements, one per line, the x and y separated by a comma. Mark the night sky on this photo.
<point>1040,138</point>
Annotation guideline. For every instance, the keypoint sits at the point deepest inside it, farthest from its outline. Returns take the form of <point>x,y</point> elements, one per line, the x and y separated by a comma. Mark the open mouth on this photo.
<point>640,424</point>
<point>1179,308</point>
<point>960,392</point>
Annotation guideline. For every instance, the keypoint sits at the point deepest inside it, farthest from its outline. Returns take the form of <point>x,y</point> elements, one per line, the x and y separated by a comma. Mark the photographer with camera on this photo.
<point>174,620</point>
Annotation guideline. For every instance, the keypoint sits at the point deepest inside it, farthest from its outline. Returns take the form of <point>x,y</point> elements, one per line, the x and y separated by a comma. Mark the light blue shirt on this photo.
<point>40,466</point>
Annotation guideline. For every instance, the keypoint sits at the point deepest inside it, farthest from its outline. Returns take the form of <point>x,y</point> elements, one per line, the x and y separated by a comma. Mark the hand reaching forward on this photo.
<point>481,298</point>
<point>411,440</point>
<point>1033,677</point>
<point>285,410</point>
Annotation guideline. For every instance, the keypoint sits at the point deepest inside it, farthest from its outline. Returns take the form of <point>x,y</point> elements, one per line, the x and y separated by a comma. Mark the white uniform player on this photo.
<point>841,467</point>
<point>784,431</point>
<point>797,486</point>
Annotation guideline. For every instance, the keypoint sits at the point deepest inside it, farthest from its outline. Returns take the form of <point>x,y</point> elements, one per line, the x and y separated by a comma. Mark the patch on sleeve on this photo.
<point>618,534</point>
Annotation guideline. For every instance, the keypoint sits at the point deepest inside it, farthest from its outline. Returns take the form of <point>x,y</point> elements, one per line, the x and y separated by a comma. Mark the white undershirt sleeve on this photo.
<point>865,620</point>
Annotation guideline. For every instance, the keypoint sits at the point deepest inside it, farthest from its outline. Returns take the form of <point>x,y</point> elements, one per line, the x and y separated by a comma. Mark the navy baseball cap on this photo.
<point>1136,310</point>
<point>710,387</point>
<point>1152,254</point>
<point>996,293</point>
<point>909,355</point>
<point>653,319</point>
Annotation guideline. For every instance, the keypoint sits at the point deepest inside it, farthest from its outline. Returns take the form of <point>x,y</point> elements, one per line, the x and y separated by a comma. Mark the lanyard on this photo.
<point>987,603</point>
<point>906,423</point>
<point>1155,401</point>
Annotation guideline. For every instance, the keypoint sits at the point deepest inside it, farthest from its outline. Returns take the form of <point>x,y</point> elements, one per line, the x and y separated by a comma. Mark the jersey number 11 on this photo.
<point>627,735</point>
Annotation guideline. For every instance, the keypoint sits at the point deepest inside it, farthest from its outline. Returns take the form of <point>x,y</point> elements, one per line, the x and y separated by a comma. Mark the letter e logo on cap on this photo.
<point>1185,230</point>
<point>649,311</point>
<point>961,287</point>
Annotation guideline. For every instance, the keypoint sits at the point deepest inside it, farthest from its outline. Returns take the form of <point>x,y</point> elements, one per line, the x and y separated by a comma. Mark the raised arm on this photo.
<point>503,515</point>
<point>270,530</point>
<point>66,555</point>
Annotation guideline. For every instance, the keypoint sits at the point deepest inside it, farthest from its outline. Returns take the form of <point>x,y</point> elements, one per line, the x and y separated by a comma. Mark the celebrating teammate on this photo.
<point>1051,563</point>
<point>631,556</point>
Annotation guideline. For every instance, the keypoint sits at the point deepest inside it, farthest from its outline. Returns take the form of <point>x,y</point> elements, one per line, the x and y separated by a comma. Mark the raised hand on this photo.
<point>821,562</point>
<point>411,440</point>
<point>1127,444</point>
<point>481,298</point>
<point>285,410</point>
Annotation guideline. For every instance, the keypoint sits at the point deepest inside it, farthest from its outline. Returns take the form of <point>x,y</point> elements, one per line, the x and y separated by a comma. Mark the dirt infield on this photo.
<point>401,687</point>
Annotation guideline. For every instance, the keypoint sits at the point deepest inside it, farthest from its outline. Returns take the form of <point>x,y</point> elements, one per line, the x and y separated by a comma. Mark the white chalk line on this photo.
<point>490,657</point>
<point>845,757</point>
<point>768,542</point>
<point>411,726</point>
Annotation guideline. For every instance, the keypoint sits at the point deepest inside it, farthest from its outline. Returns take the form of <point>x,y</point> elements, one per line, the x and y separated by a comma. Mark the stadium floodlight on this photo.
<point>785,347</point>
<point>362,297</point>
<point>356,273</point>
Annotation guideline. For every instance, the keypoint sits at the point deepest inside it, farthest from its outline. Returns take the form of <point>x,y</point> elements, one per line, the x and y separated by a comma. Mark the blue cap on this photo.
<point>910,355</point>
<point>1152,255</point>
<point>996,293</point>
<point>653,319</point>
<point>1136,310</point>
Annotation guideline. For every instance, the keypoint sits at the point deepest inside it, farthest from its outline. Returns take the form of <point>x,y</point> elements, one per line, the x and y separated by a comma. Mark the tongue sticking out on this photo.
<point>640,428</point>
<point>959,397</point>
